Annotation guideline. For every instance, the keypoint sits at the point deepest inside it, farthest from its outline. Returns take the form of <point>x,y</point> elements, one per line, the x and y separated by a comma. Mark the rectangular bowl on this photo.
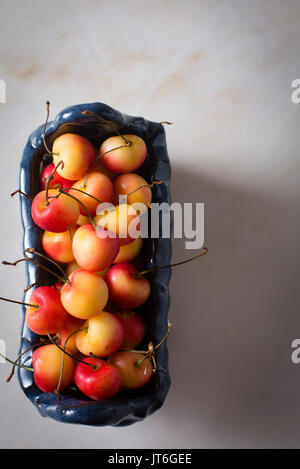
<point>130,406</point>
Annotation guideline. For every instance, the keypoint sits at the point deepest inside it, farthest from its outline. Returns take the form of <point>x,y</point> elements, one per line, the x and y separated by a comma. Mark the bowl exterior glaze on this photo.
<point>128,407</point>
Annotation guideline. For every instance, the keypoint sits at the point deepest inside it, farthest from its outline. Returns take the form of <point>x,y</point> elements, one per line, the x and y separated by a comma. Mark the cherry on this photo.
<point>128,252</point>
<point>46,362</point>
<point>135,371</point>
<point>96,184</point>
<point>76,152</point>
<point>58,246</point>
<point>47,314</point>
<point>99,166</point>
<point>95,250</point>
<point>134,187</point>
<point>121,157</point>
<point>134,326</point>
<point>127,289</point>
<point>123,220</point>
<point>103,336</point>
<point>74,266</point>
<point>56,212</point>
<point>71,325</point>
<point>136,367</point>
<point>71,267</point>
<point>83,220</point>
<point>102,383</point>
<point>57,179</point>
<point>86,296</point>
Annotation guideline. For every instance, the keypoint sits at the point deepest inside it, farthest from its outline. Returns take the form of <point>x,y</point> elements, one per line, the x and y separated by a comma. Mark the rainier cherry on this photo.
<point>134,371</point>
<point>129,251</point>
<point>96,184</point>
<point>83,220</point>
<point>105,335</point>
<point>50,315</point>
<point>58,246</point>
<point>122,220</point>
<point>56,213</point>
<point>46,362</point>
<point>126,288</point>
<point>87,295</point>
<point>76,152</point>
<point>104,382</point>
<point>130,182</point>
<point>74,266</point>
<point>98,166</point>
<point>129,157</point>
<point>95,250</point>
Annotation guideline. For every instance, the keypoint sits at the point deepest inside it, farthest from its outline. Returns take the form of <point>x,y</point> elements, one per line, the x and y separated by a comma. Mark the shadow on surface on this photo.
<point>235,313</point>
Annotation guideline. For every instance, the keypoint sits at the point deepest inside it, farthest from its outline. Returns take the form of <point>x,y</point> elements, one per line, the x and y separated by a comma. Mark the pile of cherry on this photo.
<point>80,341</point>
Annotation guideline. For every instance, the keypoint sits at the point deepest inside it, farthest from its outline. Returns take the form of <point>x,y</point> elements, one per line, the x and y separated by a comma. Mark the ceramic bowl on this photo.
<point>131,406</point>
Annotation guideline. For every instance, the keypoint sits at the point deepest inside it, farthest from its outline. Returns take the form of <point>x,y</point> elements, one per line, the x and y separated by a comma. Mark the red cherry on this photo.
<point>134,326</point>
<point>126,289</point>
<point>57,214</point>
<point>57,178</point>
<point>50,314</point>
<point>104,382</point>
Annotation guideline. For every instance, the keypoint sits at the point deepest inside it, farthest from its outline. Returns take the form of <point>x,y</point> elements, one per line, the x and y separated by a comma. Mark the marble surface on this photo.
<point>222,72</point>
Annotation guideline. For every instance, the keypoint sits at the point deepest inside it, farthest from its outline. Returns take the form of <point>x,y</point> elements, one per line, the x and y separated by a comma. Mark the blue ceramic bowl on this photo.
<point>131,406</point>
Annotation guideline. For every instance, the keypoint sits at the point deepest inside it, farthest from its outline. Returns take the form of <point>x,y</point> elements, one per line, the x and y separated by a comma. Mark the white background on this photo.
<point>222,72</point>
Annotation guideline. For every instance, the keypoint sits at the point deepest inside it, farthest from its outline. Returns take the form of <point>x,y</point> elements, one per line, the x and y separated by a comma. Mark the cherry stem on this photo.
<point>67,281</point>
<point>154,183</point>
<point>70,234</point>
<point>63,361</point>
<point>49,179</point>
<point>157,127</point>
<point>92,355</point>
<point>89,113</point>
<point>154,269</point>
<point>165,337</point>
<point>37,283</point>
<point>83,192</point>
<point>18,191</point>
<point>43,256</point>
<point>18,364</point>
<point>98,157</point>
<point>45,128</point>
<point>72,356</point>
<point>41,342</point>
<point>150,353</point>
<point>19,302</point>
